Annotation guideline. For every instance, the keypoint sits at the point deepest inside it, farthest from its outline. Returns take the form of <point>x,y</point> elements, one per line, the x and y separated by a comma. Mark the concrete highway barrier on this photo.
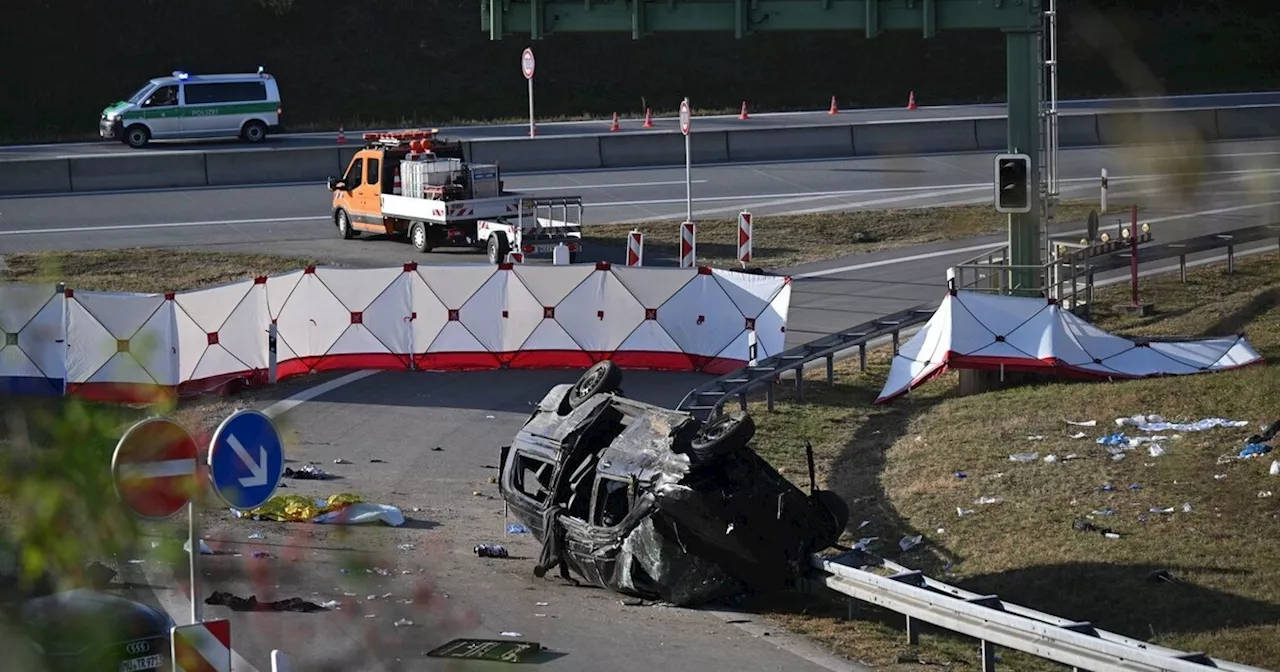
<point>101,170</point>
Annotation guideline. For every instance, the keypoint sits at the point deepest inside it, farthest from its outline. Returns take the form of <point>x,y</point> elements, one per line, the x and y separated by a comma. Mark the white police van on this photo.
<point>196,106</point>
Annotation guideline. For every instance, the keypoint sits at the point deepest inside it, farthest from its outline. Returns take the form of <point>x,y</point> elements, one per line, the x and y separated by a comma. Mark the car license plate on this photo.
<point>544,248</point>
<point>142,664</point>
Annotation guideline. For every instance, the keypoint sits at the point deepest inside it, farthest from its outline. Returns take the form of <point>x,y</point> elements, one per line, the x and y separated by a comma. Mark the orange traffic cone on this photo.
<point>342,137</point>
<point>648,118</point>
<point>833,109</point>
<point>615,125</point>
<point>911,101</point>
<point>743,113</point>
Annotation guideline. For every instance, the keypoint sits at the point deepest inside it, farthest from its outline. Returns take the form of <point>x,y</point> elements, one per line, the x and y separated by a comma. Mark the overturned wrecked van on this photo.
<point>652,503</point>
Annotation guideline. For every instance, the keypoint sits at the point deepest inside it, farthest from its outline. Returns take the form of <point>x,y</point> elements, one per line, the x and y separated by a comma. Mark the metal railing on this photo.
<point>994,622</point>
<point>709,399</point>
<point>909,592</point>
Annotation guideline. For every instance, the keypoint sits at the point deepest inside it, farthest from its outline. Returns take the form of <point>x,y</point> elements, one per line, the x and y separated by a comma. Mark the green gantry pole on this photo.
<point>1023,95</point>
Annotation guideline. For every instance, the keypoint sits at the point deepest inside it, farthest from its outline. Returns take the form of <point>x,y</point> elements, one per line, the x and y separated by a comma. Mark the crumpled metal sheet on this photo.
<point>668,571</point>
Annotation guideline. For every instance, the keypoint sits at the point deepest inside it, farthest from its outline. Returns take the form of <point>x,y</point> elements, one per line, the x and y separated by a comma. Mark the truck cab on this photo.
<point>412,186</point>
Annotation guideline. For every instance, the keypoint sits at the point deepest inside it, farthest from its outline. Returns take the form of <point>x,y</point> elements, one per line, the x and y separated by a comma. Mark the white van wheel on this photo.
<point>344,225</point>
<point>254,131</point>
<point>137,136</point>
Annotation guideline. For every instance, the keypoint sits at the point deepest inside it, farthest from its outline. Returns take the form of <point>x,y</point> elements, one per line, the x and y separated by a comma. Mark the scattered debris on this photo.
<point>1082,525</point>
<point>1104,512</point>
<point>403,622</point>
<point>961,513</point>
<point>517,528</point>
<point>1155,450</point>
<point>1037,437</point>
<point>339,460</point>
<point>636,602</point>
<point>1264,494</point>
<point>1219,477</point>
<point>1254,449</point>
<point>1275,468</point>
<point>331,604</point>
<point>490,551</point>
<point>1163,575</point>
<point>1155,423</point>
<point>257,535</point>
<point>1024,457</point>
<point>1079,435</point>
<point>339,509</point>
<point>99,575</point>
<point>961,474</point>
<point>509,633</point>
<point>376,460</point>
<point>908,543</point>
<point>236,603</point>
<point>1083,423</point>
<point>504,651</point>
<point>204,548</point>
<point>405,547</point>
<point>1050,458</point>
<point>307,473</point>
<point>988,500</point>
<point>261,554</point>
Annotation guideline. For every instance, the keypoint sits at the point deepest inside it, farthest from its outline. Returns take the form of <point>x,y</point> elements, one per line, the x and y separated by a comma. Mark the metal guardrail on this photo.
<point>707,400</point>
<point>994,622</point>
<point>919,598</point>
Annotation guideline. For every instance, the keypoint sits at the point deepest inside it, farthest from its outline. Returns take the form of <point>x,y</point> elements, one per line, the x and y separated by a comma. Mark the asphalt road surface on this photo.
<point>1238,189</point>
<point>660,125</point>
<point>385,428</point>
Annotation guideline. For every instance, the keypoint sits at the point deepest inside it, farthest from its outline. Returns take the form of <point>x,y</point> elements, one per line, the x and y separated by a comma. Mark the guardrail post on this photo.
<point>1231,259</point>
<point>862,357</point>
<point>850,609</point>
<point>768,396</point>
<point>987,652</point>
<point>800,384</point>
<point>1102,209</point>
<point>1182,267</point>
<point>831,370</point>
<point>913,632</point>
<point>271,353</point>
<point>895,342</point>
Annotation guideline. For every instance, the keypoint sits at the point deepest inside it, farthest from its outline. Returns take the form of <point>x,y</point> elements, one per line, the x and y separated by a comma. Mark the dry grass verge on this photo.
<point>898,465</point>
<point>144,270</point>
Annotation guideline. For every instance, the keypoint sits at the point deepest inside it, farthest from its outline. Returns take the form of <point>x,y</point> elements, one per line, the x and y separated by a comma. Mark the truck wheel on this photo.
<point>344,225</point>
<point>137,136</point>
<point>254,131</point>
<point>498,248</point>
<point>418,236</point>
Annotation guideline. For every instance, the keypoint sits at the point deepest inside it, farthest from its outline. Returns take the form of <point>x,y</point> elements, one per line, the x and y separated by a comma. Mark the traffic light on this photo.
<point>1013,183</point>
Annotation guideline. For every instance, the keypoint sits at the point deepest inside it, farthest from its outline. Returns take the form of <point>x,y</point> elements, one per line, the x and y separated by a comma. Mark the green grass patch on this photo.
<point>897,466</point>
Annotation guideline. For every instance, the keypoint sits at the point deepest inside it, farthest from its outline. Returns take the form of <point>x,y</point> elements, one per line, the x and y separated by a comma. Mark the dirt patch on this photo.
<point>907,467</point>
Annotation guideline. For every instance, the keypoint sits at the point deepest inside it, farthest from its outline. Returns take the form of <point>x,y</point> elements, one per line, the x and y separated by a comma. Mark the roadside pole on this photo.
<point>193,537</point>
<point>526,66</point>
<point>688,160</point>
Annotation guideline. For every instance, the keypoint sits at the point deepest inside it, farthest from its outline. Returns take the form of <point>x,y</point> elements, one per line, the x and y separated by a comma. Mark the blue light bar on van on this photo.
<point>180,74</point>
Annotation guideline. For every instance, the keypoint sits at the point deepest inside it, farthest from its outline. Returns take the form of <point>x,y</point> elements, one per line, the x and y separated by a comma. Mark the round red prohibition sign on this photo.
<point>154,468</point>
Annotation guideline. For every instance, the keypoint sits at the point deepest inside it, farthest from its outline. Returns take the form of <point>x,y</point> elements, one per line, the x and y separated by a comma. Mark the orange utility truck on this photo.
<point>410,185</point>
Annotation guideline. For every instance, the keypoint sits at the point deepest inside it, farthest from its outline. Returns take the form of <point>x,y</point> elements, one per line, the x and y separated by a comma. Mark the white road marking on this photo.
<point>166,469</point>
<point>166,225</point>
<point>616,185</point>
<point>281,407</point>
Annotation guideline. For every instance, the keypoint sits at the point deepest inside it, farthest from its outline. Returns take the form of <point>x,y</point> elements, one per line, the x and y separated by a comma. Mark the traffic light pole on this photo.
<point>1023,95</point>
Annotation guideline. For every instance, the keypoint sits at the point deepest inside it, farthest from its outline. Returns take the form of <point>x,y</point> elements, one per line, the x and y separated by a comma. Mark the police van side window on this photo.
<point>225,92</point>
<point>164,96</point>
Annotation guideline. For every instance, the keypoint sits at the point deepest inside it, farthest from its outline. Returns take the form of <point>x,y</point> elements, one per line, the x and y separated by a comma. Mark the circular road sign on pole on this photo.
<point>685,117</point>
<point>154,468</point>
<point>246,459</point>
<point>527,63</point>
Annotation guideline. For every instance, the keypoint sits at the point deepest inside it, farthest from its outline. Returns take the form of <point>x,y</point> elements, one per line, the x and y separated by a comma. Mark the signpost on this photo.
<point>154,468</point>
<point>526,66</point>
<point>685,119</point>
<point>246,459</point>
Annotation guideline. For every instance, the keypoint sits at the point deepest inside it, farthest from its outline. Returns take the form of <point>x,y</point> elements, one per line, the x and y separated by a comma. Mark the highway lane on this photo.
<point>397,417</point>
<point>294,215</point>
<point>660,125</point>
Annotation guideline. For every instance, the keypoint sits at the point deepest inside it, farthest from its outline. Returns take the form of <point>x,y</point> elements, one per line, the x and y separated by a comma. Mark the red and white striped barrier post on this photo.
<point>744,238</point>
<point>688,244</point>
<point>635,248</point>
<point>201,647</point>
<point>515,257</point>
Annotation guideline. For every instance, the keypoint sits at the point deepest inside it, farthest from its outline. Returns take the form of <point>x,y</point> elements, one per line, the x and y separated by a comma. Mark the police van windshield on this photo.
<point>141,95</point>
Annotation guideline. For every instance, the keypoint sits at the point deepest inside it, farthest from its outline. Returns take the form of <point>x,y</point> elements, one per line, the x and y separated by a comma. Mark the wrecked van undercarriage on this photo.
<point>650,502</point>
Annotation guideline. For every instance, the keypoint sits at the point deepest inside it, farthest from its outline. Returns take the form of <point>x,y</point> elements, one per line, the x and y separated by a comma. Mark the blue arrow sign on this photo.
<point>246,459</point>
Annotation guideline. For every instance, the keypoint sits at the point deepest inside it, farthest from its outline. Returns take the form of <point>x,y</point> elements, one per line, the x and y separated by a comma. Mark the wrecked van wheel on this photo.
<point>601,378</point>
<point>836,513</point>
<point>722,434</point>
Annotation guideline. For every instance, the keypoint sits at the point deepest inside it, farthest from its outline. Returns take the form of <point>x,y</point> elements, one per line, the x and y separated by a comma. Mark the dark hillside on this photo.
<point>429,61</point>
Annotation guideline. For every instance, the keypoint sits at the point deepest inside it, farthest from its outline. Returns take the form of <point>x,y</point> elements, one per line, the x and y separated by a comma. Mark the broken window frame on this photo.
<point>597,501</point>
<point>519,488</point>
